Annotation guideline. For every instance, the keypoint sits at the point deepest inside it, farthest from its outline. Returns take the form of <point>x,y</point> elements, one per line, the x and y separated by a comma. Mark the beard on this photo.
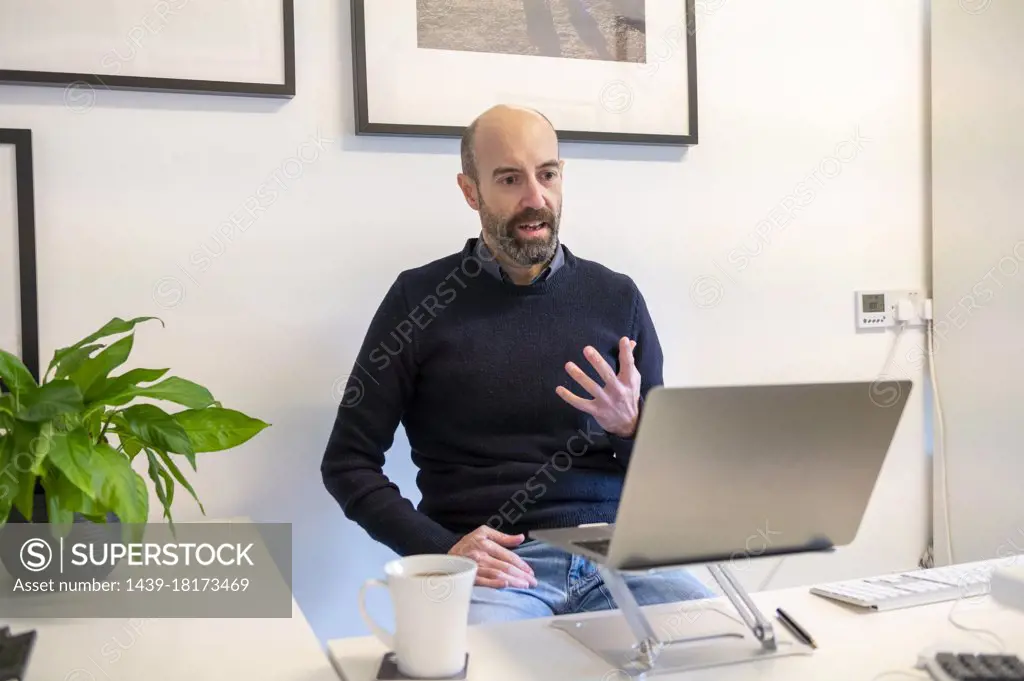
<point>522,250</point>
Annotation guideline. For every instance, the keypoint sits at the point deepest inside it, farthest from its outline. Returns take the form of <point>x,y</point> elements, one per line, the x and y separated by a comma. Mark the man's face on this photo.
<point>520,190</point>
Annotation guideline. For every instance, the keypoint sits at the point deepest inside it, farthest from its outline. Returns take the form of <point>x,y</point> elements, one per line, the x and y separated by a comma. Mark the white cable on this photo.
<point>1000,644</point>
<point>1000,647</point>
<point>906,673</point>
<point>939,450</point>
<point>892,350</point>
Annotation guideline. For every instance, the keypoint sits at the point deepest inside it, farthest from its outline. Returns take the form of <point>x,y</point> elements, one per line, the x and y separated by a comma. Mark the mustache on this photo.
<point>531,215</point>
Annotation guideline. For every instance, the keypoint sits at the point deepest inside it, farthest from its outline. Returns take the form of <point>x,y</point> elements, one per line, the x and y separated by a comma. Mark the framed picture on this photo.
<point>600,70</point>
<point>19,315</point>
<point>222,47</point>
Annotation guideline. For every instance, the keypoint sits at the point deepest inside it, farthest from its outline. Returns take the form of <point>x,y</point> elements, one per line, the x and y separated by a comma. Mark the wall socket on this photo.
<point>884,309</point>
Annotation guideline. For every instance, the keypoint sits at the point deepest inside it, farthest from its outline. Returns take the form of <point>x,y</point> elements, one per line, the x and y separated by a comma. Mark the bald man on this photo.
<point>518,371</point>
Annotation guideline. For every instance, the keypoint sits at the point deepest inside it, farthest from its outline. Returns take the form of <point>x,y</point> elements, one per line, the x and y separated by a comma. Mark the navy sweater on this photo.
<point>468,364</point>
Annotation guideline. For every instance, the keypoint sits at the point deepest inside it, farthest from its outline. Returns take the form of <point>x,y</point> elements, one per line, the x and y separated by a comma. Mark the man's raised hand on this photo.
<point>616,404</point>
<point>497,566</point>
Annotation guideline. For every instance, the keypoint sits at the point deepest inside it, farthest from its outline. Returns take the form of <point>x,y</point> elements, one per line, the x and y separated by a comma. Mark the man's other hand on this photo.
<point>497,566</point>
<point>616,404</point>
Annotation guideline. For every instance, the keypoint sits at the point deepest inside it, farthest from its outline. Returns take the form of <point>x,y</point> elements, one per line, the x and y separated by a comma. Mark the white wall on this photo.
<point>978,252</point>
<point>131,192</point>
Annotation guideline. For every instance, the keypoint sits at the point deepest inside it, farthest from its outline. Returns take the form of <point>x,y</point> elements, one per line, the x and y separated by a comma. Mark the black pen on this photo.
<point>797,630</point>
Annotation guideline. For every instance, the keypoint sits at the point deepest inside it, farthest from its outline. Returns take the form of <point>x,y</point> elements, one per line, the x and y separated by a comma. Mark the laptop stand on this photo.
<point>651,653</point>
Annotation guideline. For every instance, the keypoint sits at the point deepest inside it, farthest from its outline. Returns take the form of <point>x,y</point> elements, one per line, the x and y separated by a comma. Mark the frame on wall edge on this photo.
<point>21,140</point>
<point>284,90</point>
<point>365,127</point>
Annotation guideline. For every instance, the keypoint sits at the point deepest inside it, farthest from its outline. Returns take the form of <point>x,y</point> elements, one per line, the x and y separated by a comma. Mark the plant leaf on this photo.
<point>39,446</point>
<point>93,422</point>
<point>111,328</point>
<point>116,390</point>
<point>74,455</point>
<point>15,375</point>
<point>64,499</point>
<point>30,447</point>
<point>98,367</point>
<point>8,491</point>
<point>176,472</point>
<point>121,489</point>
<point>180,391</point>
<point>25,499</point>
<point>74,359</point>
<point>215,428</point>
<point>155,428</point>
<point>49,400</point>
<point>172,389</point>
<point>130,445</point>
<point>162,483</point>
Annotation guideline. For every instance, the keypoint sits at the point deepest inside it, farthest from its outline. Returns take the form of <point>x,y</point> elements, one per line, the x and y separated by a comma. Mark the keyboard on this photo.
<point>968,667</point>
<point>913,588</point>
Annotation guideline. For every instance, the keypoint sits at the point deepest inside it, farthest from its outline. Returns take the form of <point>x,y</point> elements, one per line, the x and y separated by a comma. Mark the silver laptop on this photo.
<point>732,473</point>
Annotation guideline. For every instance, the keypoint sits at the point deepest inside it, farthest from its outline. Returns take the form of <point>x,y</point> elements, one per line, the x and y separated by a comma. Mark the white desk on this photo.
<point>852,644</point>
<point>175,649</point>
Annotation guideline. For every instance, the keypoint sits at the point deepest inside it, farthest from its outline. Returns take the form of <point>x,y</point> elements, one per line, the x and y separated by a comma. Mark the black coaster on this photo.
<point>389,671</point>
<point>15,652</point>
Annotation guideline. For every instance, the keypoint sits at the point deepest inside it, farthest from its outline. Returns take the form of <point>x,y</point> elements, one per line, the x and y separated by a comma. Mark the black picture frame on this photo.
<point>364,126</point>
<point>21,140</point>
<point>284,90</point>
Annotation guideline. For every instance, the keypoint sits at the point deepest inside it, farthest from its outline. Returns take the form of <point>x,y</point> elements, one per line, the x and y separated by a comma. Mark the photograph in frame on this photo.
<point>619,71</point>
<point>221,47</point>
<point>19,321</point>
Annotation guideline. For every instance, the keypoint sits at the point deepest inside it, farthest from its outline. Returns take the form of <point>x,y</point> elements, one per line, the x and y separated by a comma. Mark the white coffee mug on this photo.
<point>430,596</point>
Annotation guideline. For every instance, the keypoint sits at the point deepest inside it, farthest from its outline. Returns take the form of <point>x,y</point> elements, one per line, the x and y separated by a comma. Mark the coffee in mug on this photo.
<point>432,573</point>
<point>430,596</point>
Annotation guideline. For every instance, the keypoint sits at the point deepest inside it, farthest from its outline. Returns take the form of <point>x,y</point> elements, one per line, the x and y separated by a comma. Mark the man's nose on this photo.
<point>534,196</point>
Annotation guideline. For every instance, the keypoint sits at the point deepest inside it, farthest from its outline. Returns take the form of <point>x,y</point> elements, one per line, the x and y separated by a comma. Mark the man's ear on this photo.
<point>469,190</point>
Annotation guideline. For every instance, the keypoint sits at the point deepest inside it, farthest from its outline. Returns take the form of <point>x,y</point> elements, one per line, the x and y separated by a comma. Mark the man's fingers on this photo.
<point>505,556</point>
<point>498,580</point>
<point>493,583</point>
<point>502,538</point>
<point>585,381</point>
<point>626,356</point>
<point>604,370</point>
<point>575,400</point>
<point>507,570</point>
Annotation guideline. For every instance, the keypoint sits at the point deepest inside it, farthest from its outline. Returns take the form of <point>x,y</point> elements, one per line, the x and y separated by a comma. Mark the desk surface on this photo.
<point>175,649</point>
<point>121,649</point>
<point>852,644</point>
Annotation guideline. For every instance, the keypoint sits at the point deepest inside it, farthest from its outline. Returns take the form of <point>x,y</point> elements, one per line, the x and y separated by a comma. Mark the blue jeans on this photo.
<point>569,584</point>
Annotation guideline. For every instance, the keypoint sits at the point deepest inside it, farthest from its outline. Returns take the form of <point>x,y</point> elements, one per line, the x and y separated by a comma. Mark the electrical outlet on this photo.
<point>880,309</point>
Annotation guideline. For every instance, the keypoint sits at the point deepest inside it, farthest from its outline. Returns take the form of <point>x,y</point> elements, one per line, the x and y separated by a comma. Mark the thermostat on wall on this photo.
<point>874,310</point>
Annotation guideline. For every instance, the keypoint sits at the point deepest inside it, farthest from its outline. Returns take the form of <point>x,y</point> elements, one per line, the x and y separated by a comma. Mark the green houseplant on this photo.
<point>71,442</point>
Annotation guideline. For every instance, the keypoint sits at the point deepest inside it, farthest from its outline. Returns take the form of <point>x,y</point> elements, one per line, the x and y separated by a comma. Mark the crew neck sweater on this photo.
<point>468,364</point>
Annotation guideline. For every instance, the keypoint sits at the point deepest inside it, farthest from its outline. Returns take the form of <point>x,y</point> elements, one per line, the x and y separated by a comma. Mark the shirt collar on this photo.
<point>490,263</point>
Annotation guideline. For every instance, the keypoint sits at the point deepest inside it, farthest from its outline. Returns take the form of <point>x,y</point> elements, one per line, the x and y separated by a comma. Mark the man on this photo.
<point>482,356</point>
